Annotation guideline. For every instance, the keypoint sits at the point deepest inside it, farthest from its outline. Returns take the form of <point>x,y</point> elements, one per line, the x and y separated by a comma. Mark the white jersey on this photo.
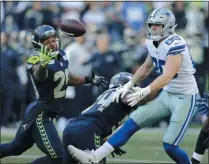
<point>184,81</point>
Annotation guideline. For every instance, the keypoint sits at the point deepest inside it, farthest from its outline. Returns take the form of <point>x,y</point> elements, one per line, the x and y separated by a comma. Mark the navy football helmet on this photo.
<point>41,33</point>
<point>120,79</point>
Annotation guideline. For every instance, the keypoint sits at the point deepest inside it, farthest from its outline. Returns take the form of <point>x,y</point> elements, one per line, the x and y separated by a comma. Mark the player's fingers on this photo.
<point>135,89</point>
<point>124,93</point>
<point>49,52</point>
<point>133,103</point>
<point>100,87</point>
<point>44,51</point>
<point>118,97</point>
<point>104,83</point>
<point>131,99</point>
<point>133,95</point>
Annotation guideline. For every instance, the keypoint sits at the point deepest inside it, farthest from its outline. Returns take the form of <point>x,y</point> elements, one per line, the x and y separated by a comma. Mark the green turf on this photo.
<point>146,146</point>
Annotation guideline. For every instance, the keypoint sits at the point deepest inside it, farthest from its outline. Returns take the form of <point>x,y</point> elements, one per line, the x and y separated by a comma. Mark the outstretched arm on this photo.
<point>93,79</point>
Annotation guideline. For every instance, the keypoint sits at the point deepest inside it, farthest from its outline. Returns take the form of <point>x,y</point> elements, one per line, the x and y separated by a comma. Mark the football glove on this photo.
<point>139,94</point>
<point>122,91</point>
<point>45,56</point>
<point>118,151</point>
<point>99,81</point>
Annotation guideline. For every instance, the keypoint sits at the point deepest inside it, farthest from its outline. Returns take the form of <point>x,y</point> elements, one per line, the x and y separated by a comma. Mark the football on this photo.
<point>72,27</point>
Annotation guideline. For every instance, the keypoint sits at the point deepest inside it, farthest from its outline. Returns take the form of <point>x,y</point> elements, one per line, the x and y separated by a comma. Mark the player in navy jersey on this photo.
<point>98,121</point>
<point>50,75</point>
<point>203,139</point>
<point>88,130</point>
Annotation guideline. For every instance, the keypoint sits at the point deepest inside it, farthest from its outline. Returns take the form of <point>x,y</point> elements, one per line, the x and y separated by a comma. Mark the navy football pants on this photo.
<point>43,133</point>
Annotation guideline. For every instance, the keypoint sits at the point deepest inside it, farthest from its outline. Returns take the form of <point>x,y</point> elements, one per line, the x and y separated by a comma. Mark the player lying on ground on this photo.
<point>98,121</point>
<point>170,56</point>
<point>203,139</point>
<point>50,76</point>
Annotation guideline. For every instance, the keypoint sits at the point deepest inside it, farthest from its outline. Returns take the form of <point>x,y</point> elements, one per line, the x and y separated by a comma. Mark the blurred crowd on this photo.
<point>114,41</point>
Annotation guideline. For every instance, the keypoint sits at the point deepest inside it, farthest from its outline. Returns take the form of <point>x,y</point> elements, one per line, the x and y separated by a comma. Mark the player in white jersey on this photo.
<point>169,55</point>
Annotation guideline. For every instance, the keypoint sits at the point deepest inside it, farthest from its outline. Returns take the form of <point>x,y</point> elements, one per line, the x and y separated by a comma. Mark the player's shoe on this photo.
<point>82,156</point>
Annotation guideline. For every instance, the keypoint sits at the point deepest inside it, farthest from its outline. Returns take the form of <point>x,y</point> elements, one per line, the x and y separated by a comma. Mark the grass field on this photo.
<point>143,147</point>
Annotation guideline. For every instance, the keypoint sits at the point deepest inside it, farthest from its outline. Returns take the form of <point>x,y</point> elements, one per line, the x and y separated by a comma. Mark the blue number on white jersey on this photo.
<point>183,81</point>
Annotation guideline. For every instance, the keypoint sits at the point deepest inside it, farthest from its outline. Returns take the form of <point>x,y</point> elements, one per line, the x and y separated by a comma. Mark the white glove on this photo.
<point>139,94</point>
<point>123,90</point>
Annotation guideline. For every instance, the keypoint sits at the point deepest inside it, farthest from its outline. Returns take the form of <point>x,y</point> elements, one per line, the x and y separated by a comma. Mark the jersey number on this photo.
<point>101,103</point>
<point>63,77</point>
<point>171,40</point>
<point>159,64</point>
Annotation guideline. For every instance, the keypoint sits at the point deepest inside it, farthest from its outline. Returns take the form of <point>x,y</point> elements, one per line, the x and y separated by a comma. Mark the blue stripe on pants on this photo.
<point>187,121</point>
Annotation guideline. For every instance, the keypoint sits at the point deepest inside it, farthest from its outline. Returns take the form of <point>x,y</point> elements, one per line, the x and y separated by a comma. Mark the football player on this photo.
<point>98,121</point>
<point>170,56</point>
<point>203,139</point>
<point>50,76</point>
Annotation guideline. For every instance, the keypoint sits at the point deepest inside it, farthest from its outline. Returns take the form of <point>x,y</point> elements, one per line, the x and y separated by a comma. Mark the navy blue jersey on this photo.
<point>54,87</point>
<point>108,115</point>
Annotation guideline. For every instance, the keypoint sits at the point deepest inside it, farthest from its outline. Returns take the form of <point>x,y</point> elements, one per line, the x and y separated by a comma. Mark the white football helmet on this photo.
<point>161,16</point>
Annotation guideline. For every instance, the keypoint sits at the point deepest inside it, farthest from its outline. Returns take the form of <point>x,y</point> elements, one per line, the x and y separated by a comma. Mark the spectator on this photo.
<point>134,14</point>
<point>106,62</point>
<point>10,82</point>
<point>77,53</point>
<point>33,16</point>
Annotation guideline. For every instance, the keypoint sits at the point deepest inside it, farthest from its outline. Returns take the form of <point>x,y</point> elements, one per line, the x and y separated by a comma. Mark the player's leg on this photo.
<point>183,109</point>
<point>22,142</point>
<point>47,139</point>
<point>23,139</point>
<point>83,135</point>
<point>200,147</point>
<point>141,117</point>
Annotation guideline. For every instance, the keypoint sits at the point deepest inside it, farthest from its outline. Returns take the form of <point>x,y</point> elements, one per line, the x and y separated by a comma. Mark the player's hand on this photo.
<point>118,151</point>
<point>202,103</point>
<point>139,94</point>
<point>45,56</point>
<point>99,81</point>
<point>123,90</point>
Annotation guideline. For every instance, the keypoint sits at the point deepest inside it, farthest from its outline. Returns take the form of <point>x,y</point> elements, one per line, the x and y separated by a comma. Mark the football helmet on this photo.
<point>120,79</point>
<point>161,16</point>
<point>41,33</point>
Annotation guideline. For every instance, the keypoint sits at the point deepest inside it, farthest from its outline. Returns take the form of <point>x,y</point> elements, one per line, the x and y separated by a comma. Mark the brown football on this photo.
<point>72,27</point>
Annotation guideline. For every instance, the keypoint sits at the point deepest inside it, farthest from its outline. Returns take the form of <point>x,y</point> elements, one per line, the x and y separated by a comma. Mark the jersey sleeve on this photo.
<point>177,47</point>
<point>33,60</point>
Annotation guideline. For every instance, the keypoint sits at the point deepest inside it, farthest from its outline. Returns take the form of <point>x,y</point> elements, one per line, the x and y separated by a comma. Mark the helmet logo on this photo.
<point>49,32</point>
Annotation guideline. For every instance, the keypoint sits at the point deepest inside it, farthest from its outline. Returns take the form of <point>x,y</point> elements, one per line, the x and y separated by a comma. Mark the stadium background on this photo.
<point>114,42</point>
